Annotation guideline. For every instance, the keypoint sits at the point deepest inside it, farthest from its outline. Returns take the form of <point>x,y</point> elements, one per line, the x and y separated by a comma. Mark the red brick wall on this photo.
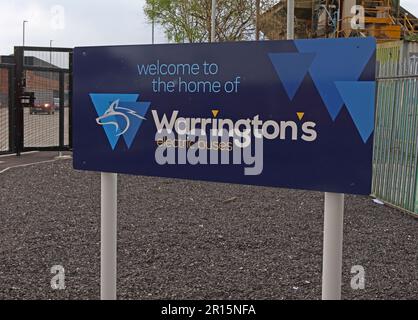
<point>4,81</point>
<point>41,81</point>
<point>34,80</point>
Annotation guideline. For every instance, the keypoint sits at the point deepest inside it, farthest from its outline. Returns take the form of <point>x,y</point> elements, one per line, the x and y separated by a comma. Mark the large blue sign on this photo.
<point>293,114</point>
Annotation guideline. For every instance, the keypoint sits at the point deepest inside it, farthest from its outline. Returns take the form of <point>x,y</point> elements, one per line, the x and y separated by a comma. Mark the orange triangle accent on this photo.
<point>215,113</point>
<point>300,115</point>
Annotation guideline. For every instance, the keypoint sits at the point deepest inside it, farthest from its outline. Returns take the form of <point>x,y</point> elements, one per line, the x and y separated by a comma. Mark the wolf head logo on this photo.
<point>115,111</point>
<point>120,116</point>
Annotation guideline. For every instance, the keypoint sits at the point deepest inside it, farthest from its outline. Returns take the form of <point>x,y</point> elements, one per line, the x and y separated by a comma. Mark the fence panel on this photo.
<point>6,108</point>
<point>395,159</point>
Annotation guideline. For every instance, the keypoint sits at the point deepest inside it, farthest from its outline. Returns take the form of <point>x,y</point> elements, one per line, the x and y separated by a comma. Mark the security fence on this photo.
<point>43,99</point>
<point>395,160</point>
<point>35,100</point>
<point>6,107</point>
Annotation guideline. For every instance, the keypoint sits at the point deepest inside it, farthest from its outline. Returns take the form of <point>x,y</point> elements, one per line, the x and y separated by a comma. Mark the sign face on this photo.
<point>292,114</point>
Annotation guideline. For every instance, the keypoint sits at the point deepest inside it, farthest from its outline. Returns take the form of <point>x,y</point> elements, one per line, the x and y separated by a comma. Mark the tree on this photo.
<point>190,20</point>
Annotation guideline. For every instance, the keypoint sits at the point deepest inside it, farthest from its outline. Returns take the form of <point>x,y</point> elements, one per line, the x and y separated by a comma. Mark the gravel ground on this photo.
<point>192,240</point>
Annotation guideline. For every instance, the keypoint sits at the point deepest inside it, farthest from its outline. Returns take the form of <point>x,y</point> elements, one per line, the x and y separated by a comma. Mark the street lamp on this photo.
<point>24,30</point>
<point>290,19</point>
<point>213,20</point>
<point>50,52</point>
<point>153,22</point>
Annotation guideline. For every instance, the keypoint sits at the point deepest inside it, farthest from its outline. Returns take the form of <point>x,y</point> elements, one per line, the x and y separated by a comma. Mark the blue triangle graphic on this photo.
<point>140,108</point>
<point>359,98</point>
<point>336,60</point>
<point>291,69</point>
<point>101,102</point>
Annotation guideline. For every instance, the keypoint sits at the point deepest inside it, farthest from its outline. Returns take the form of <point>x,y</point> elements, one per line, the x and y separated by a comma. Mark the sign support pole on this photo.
<point>108,236</point>
<point>333,216</point>
<point>333,246</point>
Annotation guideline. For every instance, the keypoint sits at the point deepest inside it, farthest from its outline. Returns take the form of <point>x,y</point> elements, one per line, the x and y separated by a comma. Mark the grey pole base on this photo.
<point>108,236</point>
<point>333,246</point>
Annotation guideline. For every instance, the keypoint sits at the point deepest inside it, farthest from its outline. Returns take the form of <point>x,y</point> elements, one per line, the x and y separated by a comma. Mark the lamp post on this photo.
<point>257,20</point>
<point>290,19</point>
<point>50,52</point>
<point>24,31</point>
<point>153,22</point>
<point>213,22</point>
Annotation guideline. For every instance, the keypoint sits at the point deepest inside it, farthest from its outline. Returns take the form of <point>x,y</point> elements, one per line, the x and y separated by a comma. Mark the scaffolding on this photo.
<point>385,20</point>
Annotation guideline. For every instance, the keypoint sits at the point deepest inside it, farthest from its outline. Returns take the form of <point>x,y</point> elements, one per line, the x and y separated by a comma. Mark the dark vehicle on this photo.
<point>43,108</point>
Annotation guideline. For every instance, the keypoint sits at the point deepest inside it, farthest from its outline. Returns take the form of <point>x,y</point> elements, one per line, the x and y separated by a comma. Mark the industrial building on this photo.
<point>386,20</point>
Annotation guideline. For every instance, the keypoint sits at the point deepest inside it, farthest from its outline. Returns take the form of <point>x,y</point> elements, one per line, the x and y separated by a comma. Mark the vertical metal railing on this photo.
<point>6,108</point>
<point>395,160</point>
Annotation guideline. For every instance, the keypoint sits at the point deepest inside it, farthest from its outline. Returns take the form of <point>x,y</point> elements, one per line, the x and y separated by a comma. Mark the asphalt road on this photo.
<point>192,240</point>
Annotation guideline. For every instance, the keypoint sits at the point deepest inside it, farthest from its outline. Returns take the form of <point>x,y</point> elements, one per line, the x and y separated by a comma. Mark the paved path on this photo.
<point>30,158</point>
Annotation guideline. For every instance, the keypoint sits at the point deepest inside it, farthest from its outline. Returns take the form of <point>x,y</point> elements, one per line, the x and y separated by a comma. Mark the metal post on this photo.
<point>337,34</point>
<point>61,120</point>
<point>257,20</point>
<point>290,19</point>
<point>398,10</point>
<point>153,23</point>
<point>213,25</point>
<point>20,74</point>
<point>12,112</point>
<point>333,246</point>
<point>70,102</point>
<point>153,31</point>
<point>24,31</point>
<point>50,52</point>
<point>108,236</point>
<point>18,128</point>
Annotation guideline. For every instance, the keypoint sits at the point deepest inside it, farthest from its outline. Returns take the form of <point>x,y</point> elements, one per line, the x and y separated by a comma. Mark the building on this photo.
<point>4,87</point>
<point>44,84</point>
<point>384,19</point>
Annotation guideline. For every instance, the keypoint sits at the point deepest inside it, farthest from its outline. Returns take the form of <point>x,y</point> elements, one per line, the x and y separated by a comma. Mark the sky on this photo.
<point>71,23</point>
<point>411,5</point>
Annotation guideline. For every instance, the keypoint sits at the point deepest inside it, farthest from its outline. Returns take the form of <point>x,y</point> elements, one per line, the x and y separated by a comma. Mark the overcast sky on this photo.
<point>73,23</point>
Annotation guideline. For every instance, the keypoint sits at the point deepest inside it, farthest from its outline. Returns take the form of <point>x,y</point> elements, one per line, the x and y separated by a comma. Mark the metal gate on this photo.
<point>43,99</point>
<point>6,108</point>
<point>395,158</point>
